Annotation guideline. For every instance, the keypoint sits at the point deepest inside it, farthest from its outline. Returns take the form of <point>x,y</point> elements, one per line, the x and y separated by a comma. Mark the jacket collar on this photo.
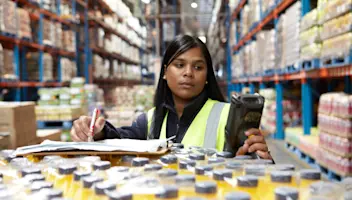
<point>191,109</point>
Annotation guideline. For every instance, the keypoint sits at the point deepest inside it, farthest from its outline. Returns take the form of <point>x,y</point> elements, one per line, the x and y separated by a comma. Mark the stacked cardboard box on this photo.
<point>68,69</point>
<point>335,132</point>
<point>8,17</point>
<point>19,120</point>
<point>69,41</point>
<point>23,24</point>
<point>33,69</point>
<point>7,67</point>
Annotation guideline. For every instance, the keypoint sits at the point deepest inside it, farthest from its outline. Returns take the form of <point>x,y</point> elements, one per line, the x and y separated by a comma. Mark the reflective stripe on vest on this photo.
<point>207,128</point>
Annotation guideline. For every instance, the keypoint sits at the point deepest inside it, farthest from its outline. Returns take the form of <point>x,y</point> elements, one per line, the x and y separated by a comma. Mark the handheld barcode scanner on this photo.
<point>245,113</point>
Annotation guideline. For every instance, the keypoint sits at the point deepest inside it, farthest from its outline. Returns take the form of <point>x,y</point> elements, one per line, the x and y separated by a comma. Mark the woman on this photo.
<point>187,97</point>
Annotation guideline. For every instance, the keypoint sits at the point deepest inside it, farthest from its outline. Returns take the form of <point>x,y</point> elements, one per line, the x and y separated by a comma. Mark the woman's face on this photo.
<point>187,74</point>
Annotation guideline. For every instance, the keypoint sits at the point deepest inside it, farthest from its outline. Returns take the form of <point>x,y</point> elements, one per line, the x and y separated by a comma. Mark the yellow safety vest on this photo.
<point>207,128</point>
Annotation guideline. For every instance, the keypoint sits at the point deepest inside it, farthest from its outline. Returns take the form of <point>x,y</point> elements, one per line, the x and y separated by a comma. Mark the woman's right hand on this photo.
<point>80,129</point>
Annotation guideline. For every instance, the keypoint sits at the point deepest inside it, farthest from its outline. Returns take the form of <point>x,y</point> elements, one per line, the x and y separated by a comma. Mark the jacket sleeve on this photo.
<point>138,130</point>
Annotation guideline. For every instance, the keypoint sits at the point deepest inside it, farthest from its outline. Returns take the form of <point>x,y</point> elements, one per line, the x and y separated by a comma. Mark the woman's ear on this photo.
<point>165,69</point>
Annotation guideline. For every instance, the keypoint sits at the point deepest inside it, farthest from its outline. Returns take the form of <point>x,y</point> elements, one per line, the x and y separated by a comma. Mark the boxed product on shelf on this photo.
<point>309,36</point>
<point>7,66</point>
<point>337,46</point>
<point>266,50</point>
<point>24,28</point>
<point>48,96</point>
<point>310,52</point>
<point>245,21</point>
<point>267,5</point>
<point>58,35</point>
<point>254,12</point>
<point>335,8</point>
<point>337,26</point>
<point>49,5</point>
<point>33,66</point>
<point>335,125</point>
<point>68,40</point>
<point>97,65</point>
<point>334,162</point>
<point>48,32</point>
<point>281,43</point>
<point>8,17</point>
<point>291,34</point>
<point>309,20</point>
<point>19,120</point>
<point>68,69</point>
<point>339,145</point>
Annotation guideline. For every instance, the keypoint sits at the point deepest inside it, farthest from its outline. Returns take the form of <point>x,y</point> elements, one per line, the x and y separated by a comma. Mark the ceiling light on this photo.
<point>146,1</point>
<point>203,39</point>
<point>194,5</point>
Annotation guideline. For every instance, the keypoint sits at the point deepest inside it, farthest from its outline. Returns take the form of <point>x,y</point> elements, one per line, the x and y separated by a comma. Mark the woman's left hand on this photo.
<point>255,143</point>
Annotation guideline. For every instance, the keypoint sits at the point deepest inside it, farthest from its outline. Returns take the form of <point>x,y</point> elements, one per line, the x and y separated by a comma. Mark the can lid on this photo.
<point>167,172</point>
<point>52,193</point>
<point>262,162</point>
<point>182,164</point>
<point>120,169</point>
<point>285,167</point>
<point>92,159</point>
<point>128,158</point>
<point>237,196</point>
<point>30,170</point>
<point>36,186</point>
<point>347,195</point>
<point>119,196</point>
<point>257,170</point>
<point>152,167</point>
<point>140,161</point>
<point>102,165</point>
<point>283,193</point>
<point>178,145</point>
<point>169,159</point>
<point>247,181</point>
<point>206,187</point>
<point>197,156</point>
<point>167,192</point>
<point>200,170</point>
<point>50,158</point>
<point>221,174</point>
<point>243,157</point>
<point>102,187</point>
<point>216,160</point>
<point>209,151</point>
<point>310,174</point>
<point>34,177</point>
<point>78,175</point>
<point>224,154</point>
<point>90,180</point>
<point>183,151</point>
<point>234,165</point>
<point>67,169</point>
<point>324,188</point>
<point>186,178</point>
<point>281,176</point>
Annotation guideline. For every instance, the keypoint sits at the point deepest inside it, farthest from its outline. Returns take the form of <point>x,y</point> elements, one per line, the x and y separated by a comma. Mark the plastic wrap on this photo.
<point>310,36</point>
<point>68,69</point>
<point>335,8</point>
<point>8,17</point>
<point>8,66</point>
<point>23,25</point>
<point>69,42</point>
<point>33,69</point>
<point>337,26</point>
<point>337,46</point>
<point>281,43</point>
<point>311,51</point>
<point>309,20</point>
<point>48,32</point>
<point>58,35</point>
<point>266,50</point>
<point>267,5</point>
<point>291,34</point>
<point>339,145</point>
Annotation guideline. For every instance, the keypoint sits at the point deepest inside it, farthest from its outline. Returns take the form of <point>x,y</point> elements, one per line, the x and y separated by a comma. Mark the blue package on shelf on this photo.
<point>66,125</point>
<point>310,64</point>
<point>337,61</point>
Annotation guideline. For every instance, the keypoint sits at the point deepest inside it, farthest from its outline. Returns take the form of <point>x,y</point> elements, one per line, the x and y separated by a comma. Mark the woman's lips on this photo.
<point>186,85</point>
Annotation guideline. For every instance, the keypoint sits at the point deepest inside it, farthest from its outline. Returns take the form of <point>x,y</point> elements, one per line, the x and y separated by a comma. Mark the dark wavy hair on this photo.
<point>178,46</point>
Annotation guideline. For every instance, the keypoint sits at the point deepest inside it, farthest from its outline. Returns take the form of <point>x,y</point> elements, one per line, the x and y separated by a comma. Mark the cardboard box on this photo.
<point>19,120</point>
<point>49,134</point>
<point>4,142</point>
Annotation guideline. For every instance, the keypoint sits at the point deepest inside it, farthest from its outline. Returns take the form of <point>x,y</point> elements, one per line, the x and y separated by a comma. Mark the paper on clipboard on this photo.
<point>109,145</point>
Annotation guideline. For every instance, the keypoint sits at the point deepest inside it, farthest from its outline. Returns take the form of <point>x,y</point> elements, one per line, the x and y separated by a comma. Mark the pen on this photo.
<point>92,125</point>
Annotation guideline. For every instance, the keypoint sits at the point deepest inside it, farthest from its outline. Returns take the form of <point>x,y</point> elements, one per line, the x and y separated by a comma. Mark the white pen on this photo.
<point>92,125</point>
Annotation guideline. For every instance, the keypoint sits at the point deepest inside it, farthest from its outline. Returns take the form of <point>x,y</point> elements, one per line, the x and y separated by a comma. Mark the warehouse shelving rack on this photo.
<point>305,77</point>
<point>21,46</point>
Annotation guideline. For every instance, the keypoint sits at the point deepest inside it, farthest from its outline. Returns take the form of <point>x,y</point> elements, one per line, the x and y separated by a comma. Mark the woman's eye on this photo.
<point>179,65</point>
<point>198,67</point>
